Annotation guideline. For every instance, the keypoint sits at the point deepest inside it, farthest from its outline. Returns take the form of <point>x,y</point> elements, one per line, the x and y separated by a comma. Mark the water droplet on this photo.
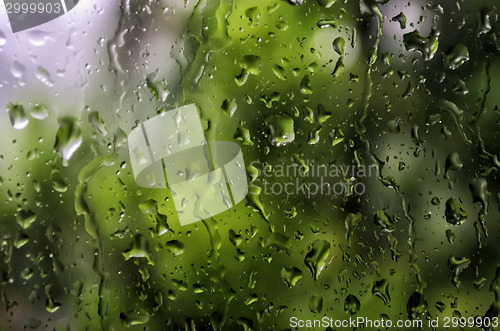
<point>316,304</point>
<point>18,70</point>
<point>457,265</point>
<point>157,88</point>
<point>338,67</point>
<point>234,238</point>
<point>440,306</point>
<point>39,111</point>
<point>484,21</point>
<point>479,190</point>
<point>295,2</point>
<point>338,45</point>
<point>384,221</point>
<point>51,306</point>
<point>17,116</point>
<point>20,240</point>
<point>25,218</point>
<point>352,304</point>
<point>456,56</point>
<point>460,88</point>
<point>290,276</point>
<point>43,75</point>
<point>58,182</point>
<point>280,241</point>
<point>98,123</point>
<point>450,235</point>
<point>134,317</point>
<point>37,37</point>
<point>315,260</point>
<point>3,39</point>
<point>138,249</point>
<point>416,306</point>
<point>414,41</point>
<point>281,129</point>
<point>401,18</point>
<point>454,213</point>
<point>325,23</point>
<point>68,138</point>
<point>326,3</point>
<point>243,134</point>
<point>305,86</point>
<point>453,163</point>
<point>381,289</point>
<point>351,222</point>
<point>253,15</point>
<point>279,71</point>
<point>175,247</point>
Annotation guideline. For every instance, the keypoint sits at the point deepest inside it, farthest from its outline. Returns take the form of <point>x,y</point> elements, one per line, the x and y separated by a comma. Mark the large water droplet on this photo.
<point>456,56</point>
<point>138,249</point>
<point>338,45</point>
<point>98,123</point>
<point>453,163</point>
<point>454,213</point>
<point>37,37</point>
<point>17,116</point>
<point>414,41</point>
<point>381,289</point>
<point>352,304</point>
<point>316,258</point>
<point>457,265</point>
<point>25,218</point>
<point>416,306</point>
<point>39,111</point>
<point>68,138</point>
<point>175,247</point>
<point>316,304</point>
<point>281,129</point>
<point>291,276</point>
<point>384,221</point>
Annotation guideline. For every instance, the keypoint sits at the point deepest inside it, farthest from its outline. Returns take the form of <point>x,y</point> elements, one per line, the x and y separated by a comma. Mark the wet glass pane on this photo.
<point>244,165</point>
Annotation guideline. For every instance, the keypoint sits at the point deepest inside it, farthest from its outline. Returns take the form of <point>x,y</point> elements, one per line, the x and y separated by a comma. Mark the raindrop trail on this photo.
<point>92,228</point>
<point>361,130</point>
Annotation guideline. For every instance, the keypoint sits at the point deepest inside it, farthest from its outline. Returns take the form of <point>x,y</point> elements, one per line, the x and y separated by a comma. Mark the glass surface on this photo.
<point>343,155</point>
